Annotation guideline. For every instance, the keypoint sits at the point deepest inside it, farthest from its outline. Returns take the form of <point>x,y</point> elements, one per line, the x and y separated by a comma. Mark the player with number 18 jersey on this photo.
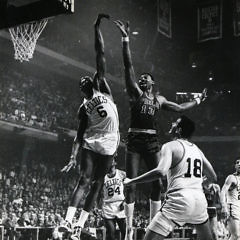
<point>185,192</point>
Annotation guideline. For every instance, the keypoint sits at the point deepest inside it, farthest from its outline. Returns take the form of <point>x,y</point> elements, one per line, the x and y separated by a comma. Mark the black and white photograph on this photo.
<point>119,119</point>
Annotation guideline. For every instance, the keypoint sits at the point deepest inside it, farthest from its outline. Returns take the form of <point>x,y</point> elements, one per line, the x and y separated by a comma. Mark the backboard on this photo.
<point>16,12</point>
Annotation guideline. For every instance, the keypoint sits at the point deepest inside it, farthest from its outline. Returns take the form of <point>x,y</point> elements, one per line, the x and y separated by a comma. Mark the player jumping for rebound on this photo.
<point>97,135</point>
<point>143,142</point>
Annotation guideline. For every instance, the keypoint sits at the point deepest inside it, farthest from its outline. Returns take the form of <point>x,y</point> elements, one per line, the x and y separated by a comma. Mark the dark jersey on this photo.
<point>211,196</point>
<point>143,113</point>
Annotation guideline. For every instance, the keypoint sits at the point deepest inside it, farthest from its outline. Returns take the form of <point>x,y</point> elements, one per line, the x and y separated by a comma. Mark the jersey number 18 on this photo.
<point>196,170</point>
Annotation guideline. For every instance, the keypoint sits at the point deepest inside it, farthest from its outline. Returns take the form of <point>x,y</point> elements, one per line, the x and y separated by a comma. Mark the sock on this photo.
<point>154,207</point>
<point>70,214</point>
<point>82,219</point>
<point>129,208</point>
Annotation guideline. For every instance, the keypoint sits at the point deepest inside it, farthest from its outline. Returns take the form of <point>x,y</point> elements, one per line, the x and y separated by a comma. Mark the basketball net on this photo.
<point>24,38</point>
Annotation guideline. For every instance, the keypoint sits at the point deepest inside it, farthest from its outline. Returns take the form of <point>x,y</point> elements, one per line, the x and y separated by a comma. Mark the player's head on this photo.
<point>145,81</point>
<point>86,84</point>
<point>237,165</point>
<point>183,127</point>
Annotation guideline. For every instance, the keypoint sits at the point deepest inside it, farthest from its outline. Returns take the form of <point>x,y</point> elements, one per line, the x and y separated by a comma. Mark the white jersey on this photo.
<point>113,187</point>
<point>102,114</point>
<point>187,174</point>
<point>233,196</point>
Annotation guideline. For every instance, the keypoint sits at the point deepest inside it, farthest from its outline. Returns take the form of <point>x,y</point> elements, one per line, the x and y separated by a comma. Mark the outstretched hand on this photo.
<point>124,28</point>
<point>72,164</point>
<point>100,17</point>
<point>203,95</point>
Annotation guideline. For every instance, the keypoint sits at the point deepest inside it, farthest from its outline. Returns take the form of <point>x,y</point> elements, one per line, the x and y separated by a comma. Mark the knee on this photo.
<point>130,194</point>
<point>157,185</point>
<point>97,185</point>
<point>131,190</point>
<point>110,234</point>
<point>84,180</point>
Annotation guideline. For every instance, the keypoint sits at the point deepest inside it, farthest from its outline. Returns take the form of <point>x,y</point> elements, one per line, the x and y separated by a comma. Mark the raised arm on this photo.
<point>99,80</point>
<point>78,140</point>
<point>174,107</point>
<point>133,89</point>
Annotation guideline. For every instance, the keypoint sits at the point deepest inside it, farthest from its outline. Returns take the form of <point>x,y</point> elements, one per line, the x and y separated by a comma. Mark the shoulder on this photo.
<point>231,179</point>
<point>121,173</point>
<point>161,99</point>
<point>172,147</point>
<point>175,144</point>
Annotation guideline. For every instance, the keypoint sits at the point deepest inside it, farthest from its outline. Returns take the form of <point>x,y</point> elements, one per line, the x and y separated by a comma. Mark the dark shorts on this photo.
<point>143,143</point>
<point>212,212</point>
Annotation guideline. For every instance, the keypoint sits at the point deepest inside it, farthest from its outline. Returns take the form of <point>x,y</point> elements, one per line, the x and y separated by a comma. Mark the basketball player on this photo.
<point>184,164</point>
<point>142,140</point>
<point>230,196</point>
<point>113,199</point>
<point>97,135</point>
<point>212,194</point>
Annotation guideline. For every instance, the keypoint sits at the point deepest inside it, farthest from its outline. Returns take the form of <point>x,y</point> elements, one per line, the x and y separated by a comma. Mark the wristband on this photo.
<point>125,39</point>
<point>198,100</point>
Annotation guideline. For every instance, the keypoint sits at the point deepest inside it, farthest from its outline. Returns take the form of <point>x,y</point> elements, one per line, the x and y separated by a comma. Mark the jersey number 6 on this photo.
<point>101,111</point>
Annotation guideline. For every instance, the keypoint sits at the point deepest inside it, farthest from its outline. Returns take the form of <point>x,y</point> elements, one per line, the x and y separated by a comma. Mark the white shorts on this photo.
<point>180,207</point>
<point>102,143</point>
<point>234,211</point>
<point>113,210</point>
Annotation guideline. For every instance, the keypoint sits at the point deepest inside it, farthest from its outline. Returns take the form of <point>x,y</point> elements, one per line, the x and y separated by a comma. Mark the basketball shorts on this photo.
<point>212,212</point>
<point>102,143</point>
<point>113,210</point>
<point>143,143</point>
<point>180,207</point>
<point>234,211</point>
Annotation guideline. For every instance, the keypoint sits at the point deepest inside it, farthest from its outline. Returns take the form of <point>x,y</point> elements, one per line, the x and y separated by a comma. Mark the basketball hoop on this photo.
<point>24,38</point>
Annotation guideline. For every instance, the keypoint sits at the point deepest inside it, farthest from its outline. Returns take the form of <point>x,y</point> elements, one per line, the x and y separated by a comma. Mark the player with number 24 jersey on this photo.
<point>113,189</point>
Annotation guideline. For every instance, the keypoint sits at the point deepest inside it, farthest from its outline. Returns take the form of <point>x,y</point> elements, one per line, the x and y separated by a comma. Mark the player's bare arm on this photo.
<point>99,80</point>
<point>217,191</point>
<point>133,89</point>
<point>158,172</point>
<point>78,140</point>
<point>174,107</point>
<point>229,182</point>
<point>208,170</point>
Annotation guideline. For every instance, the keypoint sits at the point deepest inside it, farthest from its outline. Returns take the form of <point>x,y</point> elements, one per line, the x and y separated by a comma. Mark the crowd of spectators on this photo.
<point>52,105</point>
<point>36,195</point>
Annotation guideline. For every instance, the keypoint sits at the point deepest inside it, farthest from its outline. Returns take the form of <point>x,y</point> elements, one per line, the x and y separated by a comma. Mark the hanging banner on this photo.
<point>210,20</point>
<point>236,17</point>
<point>164,17</point>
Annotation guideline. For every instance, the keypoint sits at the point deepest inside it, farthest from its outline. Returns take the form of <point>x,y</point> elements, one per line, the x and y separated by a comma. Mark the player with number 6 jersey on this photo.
<point>101,134</point>
<point>97,136</point>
